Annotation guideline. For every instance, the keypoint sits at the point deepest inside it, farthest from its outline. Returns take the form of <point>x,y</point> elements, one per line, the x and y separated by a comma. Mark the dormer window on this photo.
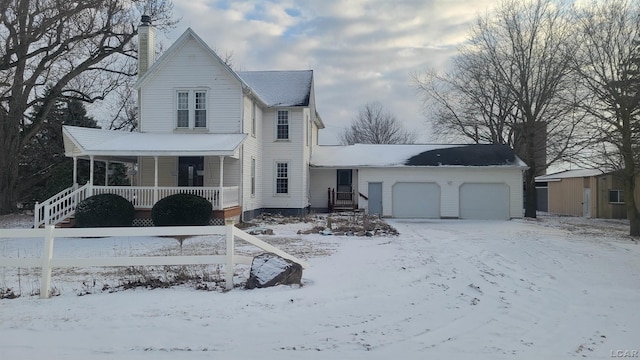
<point>191,109</point>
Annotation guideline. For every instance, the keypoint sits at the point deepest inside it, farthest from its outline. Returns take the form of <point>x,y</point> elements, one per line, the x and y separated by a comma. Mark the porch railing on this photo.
<point>341,200</point>
<point>60,206</point>
<point>63,205</point>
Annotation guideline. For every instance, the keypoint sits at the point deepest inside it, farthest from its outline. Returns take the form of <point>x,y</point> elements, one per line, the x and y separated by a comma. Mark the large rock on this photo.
<point>269,269</point>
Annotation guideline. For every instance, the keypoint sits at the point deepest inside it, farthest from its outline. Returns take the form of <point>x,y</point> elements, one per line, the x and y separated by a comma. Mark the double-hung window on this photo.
<point>200,109</point>
<point>191,109</point>
<point>616,197</point>
<point>253,176</point>
<point>282,178</point>
<point>183,109</point>
<point>253,119</point>
<point>282,125</point>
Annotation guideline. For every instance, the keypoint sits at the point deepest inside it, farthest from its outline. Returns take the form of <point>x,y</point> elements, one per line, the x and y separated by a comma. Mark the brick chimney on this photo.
<point>146,45</point>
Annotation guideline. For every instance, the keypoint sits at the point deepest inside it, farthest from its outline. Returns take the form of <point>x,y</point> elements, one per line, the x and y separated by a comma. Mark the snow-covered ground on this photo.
<point>552,288</point>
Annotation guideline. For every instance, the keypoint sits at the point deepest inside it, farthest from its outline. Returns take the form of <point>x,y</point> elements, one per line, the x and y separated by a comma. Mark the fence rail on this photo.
<point>49,233</point>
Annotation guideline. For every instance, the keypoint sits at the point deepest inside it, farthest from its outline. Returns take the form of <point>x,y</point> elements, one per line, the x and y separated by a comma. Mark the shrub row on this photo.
<point>110,210</point>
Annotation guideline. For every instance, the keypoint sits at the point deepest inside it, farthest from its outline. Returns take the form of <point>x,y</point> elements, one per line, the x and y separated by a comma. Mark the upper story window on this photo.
<point>183,109</point>
<point>282,125</point>
<point>253,119</point>
<point>616,197</point>
<point>201,109</point>
<point>191,109</point>
<point>309,128</point>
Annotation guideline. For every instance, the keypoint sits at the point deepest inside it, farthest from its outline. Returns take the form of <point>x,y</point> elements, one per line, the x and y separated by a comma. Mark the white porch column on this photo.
<point>75,170</point>
<point>221,197</point>
<point>106,173</point>
<point>91,175</point>
<point>155,179</point>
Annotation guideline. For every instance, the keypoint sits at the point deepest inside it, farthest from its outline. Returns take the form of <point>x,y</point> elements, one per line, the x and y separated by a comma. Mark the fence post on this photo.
<point>47,214</point>
<point>230,252</point>
<point>36,215</point>
<point>45,281</point>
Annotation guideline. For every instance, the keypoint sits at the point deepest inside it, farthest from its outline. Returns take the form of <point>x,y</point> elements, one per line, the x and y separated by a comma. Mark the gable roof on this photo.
<point>386,155</point>
<point>271,88</point>
<point>175,47</point>
<point>280,88</point>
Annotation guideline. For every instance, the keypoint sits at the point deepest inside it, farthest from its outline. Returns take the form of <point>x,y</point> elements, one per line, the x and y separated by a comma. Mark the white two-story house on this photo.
<point>243,140</point>
<point>248,142</point>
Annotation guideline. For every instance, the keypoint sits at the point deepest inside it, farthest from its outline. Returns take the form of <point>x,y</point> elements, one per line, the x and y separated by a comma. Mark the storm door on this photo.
<point>191,171</point>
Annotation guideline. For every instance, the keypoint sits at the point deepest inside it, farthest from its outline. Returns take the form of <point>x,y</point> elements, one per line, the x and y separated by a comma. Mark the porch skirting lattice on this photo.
<point>142,222</point>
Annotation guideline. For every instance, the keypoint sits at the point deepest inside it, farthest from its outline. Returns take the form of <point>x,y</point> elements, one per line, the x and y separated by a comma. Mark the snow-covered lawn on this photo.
<point>552,288</point>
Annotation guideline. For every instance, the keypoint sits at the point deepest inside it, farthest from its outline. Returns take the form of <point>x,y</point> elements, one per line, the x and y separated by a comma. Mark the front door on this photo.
<point>191,171</point>
<point>375,198</point>
<point>586,203</point>
<point>344,180</point>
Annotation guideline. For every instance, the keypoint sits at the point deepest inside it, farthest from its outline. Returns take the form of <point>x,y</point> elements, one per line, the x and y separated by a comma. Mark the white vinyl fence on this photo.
<point>50,233</point>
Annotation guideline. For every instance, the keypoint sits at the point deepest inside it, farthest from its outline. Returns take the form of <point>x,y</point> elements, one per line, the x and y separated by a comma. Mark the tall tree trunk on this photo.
<point>629,199</point>
<point>10,145</point>
<point>530,194</point>
<point>8,180</point>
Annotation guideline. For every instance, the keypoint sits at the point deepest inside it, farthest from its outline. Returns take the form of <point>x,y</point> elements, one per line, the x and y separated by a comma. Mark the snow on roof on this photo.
<point>88,141</point>
<point>567,174</point>
<point>375,155</point>
<point>280,88</point>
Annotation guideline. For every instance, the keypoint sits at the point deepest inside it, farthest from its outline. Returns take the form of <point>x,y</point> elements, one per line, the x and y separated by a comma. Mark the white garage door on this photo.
<point>416,200</point>
<point>484,201</point>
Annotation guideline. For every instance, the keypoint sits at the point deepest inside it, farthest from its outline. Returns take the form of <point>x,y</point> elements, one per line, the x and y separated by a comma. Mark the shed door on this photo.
<point>375,198</point>
<point>416,200</point>
<point>484,201</point>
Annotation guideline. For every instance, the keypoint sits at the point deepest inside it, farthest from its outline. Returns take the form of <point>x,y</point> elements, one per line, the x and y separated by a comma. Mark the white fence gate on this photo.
<point>50,233</point>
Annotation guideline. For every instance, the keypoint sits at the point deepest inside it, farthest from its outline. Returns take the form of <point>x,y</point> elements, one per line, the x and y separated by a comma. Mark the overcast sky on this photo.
<point>360,50</point>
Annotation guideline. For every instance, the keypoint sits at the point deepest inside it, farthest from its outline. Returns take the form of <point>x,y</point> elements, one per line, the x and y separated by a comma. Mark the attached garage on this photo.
<point>484,201</point>
<point>416,200</point>
<point>428,181</point>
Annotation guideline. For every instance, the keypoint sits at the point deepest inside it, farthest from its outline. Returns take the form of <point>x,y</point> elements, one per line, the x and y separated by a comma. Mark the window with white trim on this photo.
<point>282,178</point>
<point>282,125</point>
<point>616,197</point>
<point>309,128</point>
<point>253,119</point>
<point>183,109</point>
<point>201,109</point>
<point>253,176</point>
<point>191,109</point>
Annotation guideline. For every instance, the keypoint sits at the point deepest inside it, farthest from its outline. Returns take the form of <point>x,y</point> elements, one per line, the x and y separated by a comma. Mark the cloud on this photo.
<point>360,50</point>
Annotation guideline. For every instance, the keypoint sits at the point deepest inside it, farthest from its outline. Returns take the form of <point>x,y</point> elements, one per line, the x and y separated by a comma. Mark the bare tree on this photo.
<point>375,125</point>
<point>469,102</point>
<point>608,62</point>
<point>71,49</point>
<point>513,84</point>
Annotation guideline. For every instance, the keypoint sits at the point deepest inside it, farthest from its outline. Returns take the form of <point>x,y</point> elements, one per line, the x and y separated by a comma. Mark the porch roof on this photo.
<point>121,145</point>
<point>385,155</point>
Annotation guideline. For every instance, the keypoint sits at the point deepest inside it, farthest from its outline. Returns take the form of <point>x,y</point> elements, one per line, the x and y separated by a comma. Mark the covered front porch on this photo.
<point>159,165</point>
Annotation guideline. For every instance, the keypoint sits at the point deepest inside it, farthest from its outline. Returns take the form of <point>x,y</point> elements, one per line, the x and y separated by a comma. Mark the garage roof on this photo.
<point>376,155</point>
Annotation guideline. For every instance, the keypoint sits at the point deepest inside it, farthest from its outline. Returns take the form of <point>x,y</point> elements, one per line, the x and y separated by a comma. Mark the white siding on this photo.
<point>252,148</point>
<point>291,151</point>
<point>449,179</point>
<point>191,67</point>
<point>321,180</point>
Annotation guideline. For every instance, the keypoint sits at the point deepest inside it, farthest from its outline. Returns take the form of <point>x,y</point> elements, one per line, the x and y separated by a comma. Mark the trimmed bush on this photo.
<point>104,210</point>
<point>181,210</point>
